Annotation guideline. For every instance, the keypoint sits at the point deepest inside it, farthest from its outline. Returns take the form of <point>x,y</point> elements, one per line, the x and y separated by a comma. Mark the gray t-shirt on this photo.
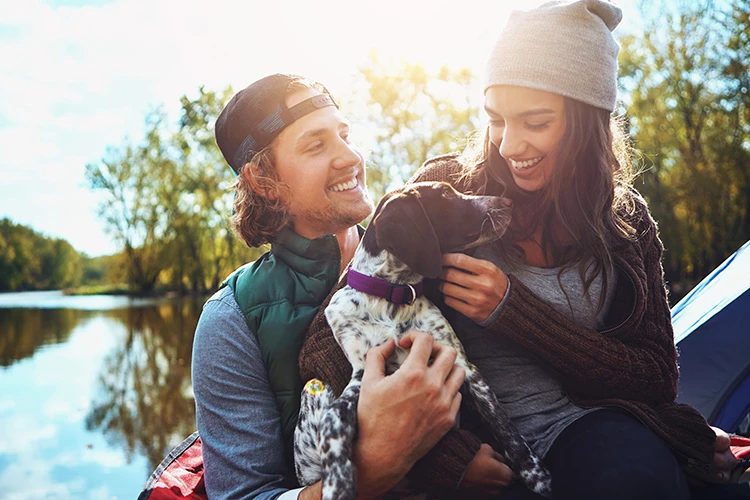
<point>531,394</point>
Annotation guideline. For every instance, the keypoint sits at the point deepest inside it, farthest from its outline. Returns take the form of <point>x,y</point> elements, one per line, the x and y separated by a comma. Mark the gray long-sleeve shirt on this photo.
<point>236,412</point>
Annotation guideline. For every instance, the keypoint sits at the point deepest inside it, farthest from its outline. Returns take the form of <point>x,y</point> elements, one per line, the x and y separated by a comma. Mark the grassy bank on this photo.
<point>124,289</point>
<point>115,289</point>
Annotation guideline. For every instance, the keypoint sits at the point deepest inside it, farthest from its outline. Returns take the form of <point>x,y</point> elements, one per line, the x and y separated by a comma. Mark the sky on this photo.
<point>79,76</point>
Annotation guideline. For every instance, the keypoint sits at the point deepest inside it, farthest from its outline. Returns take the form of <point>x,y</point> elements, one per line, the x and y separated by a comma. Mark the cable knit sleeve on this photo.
<point>445,168</point>
<point>438,472</point>
<point>636,360</point>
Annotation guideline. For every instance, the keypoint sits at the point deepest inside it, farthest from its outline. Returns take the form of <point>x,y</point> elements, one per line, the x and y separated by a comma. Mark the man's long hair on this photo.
<point>261,204</point>
<point>588,195</point>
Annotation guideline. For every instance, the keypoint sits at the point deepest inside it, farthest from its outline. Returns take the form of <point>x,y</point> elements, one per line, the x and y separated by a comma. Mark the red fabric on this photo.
<point>740,446</point>
<point>183,478</point>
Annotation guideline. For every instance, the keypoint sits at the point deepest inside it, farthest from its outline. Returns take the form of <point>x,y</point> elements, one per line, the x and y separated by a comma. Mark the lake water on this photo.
<point>94,391</point>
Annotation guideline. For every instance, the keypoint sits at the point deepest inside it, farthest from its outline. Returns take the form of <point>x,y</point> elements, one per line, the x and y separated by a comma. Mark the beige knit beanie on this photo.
<point>566,48</point>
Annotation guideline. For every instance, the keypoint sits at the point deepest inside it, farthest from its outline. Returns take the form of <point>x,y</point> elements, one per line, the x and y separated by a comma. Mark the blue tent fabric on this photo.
<point>712,332</point>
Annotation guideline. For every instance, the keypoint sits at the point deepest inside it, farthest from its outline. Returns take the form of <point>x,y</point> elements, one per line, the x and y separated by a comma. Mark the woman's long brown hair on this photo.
<point>583,210</point>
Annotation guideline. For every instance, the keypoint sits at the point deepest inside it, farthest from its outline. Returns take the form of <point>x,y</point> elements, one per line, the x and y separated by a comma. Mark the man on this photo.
<point>300,187</point>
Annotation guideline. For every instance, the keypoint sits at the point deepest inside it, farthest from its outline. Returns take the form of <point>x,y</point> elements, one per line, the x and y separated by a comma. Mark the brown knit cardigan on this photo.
<point>629,365</point>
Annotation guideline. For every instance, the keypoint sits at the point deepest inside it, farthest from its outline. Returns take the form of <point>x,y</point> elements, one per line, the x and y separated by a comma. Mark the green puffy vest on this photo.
<point>279,295</point>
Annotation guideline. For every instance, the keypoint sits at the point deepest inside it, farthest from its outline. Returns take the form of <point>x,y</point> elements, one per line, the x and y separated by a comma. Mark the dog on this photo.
<point>412,228</point>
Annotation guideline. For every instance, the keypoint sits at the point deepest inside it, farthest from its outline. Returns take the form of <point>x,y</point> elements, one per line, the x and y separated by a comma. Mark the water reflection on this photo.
<point>91,400</point>
<point>25,330</point>
<point>144,401</point>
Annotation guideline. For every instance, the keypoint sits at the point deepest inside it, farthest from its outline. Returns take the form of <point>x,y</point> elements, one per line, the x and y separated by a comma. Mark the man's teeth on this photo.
<point>523,165</point>
<point>344,186</point>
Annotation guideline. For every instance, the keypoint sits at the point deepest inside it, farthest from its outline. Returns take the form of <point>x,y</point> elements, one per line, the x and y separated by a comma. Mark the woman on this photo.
<point>567,317</point>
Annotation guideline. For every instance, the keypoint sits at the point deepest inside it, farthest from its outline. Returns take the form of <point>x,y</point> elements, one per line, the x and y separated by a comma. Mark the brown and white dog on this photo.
<point>411,230</point>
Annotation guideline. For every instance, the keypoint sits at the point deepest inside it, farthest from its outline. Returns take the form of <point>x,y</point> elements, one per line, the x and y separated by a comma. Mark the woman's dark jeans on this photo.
<point>610,455</point>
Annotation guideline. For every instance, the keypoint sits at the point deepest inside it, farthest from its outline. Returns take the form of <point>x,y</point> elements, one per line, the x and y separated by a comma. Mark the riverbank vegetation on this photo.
<point>32,261</point>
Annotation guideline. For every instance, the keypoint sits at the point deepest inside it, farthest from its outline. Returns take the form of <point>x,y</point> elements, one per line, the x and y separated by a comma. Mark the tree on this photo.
<point>736,68</point>
<point>135,200</point>
<point>414,114</point>
<point>32,261</point>
<point>167,201</point>
<point>684,79</point>
<point>207,246</point>
<point>60,265</point>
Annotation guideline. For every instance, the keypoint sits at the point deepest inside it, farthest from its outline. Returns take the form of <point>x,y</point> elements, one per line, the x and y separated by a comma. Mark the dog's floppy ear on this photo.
<point>403,229</point>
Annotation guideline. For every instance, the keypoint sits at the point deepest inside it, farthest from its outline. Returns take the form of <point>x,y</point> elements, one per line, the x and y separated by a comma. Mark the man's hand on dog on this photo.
<point>403,415</point>
<point>473,287</point>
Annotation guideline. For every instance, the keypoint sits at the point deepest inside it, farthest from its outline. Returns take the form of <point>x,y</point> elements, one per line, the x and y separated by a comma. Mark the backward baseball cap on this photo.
<point>253,118</point>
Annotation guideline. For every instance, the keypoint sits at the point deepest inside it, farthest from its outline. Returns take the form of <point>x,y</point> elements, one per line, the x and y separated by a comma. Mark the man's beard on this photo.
<point>332,219</point>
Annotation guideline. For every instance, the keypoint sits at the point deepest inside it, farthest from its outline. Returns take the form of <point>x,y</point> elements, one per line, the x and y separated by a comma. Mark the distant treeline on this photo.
<point>31,261</point>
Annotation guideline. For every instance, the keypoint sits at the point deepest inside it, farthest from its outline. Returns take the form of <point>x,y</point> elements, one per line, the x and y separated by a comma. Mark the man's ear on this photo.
<point>403,229</point>
<point>260,184</point>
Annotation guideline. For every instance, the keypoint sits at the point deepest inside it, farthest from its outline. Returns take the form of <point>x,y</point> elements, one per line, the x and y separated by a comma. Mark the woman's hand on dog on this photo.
<point>402,416</point>
<point>473,287</point>
<point>486,474</point>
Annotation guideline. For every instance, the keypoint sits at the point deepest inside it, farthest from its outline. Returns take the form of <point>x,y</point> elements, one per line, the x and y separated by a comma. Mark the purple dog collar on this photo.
<point>396,294</point>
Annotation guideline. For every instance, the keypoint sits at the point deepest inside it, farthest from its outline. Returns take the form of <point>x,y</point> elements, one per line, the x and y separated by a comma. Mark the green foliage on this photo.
<point>112,289</point>
<point>166,201</point>
<point>31,261</point>
<point>204,249</point>
<point>133,206</point>
<point>103,271</point>
<point>414,115</point>
<point>687,81</point>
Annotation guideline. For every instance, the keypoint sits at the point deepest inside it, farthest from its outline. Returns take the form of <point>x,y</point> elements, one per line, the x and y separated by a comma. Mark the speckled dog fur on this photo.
<point>412,228</point>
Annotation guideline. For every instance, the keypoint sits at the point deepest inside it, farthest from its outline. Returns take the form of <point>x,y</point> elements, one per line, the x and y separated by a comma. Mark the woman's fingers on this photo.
<point>473,287</point>
<point>465,262</point>
<point>466,309</point>
<point>458,292</point>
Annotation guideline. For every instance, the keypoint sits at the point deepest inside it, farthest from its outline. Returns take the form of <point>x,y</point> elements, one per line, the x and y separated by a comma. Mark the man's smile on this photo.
<point>345,185</point>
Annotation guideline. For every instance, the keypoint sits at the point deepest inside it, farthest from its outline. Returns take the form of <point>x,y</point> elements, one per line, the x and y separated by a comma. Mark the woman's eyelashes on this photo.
<point>537,127</point>
<point>534,127</point>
